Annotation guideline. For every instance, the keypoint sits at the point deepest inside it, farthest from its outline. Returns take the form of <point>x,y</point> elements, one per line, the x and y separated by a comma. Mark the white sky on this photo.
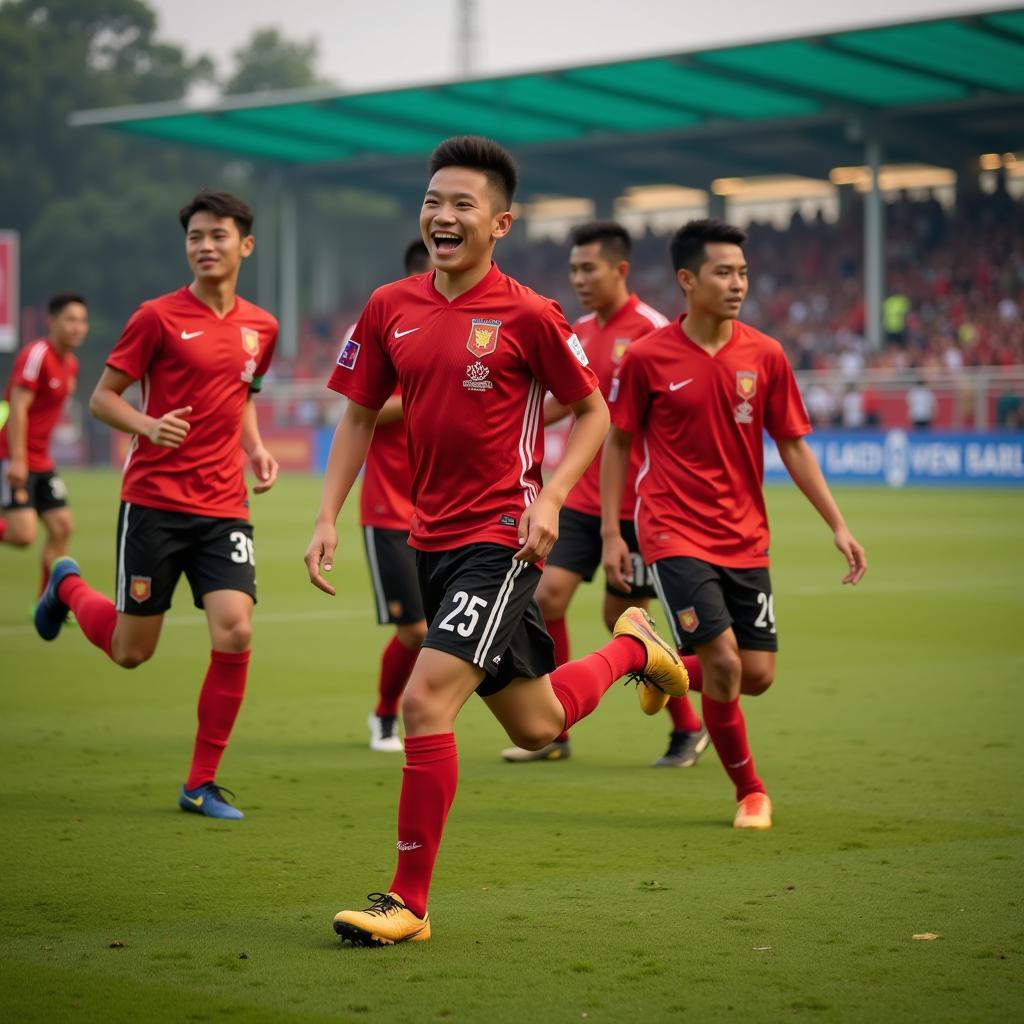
<point>392,42</point>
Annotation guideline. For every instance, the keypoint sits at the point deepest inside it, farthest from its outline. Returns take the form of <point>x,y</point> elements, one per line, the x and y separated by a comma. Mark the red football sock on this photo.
<point>693,669</point>
<point>559,632</point>
<point>395,667</point>
<point>684,718</point>
<point>580,685</point>
<point>219,701</point>
<point>46,578</point>
<point>95,614</point>
<point>429,781</point>
<point>728,730</point>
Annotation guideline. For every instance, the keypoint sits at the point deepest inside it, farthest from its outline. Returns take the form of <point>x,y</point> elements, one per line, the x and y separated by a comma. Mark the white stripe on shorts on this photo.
<point>494,619</point>
<point>378,583</point>
<point>122,587</point>
<point>669,614</point>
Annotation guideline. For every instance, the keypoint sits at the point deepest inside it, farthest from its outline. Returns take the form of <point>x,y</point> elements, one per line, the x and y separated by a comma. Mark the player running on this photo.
<point>473,352</point>
<point>385,511</point>
<point>42,379</point>
<point>700,392</point>
<point>599,272</point>
<point>199,354</point>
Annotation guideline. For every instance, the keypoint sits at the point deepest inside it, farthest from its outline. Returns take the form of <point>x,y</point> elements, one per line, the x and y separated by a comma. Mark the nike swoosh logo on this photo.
<point>187,335</point>
<point>196,801</point>
<point>681,384</point>
<point>402,334</point>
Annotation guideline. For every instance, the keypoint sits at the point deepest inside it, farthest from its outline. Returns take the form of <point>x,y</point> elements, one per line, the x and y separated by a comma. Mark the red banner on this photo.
<point>9,306</point>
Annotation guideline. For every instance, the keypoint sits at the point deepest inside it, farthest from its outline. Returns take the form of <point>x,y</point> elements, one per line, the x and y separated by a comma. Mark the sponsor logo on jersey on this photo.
<point>251,341</point>
<point>250,371</point>
<point>349,354</point>
<point>746,388</point>
<point>476,377</point>
<point>688,619</point>
<point>483,337</point>
<point>140,588</point>
<point>577,349</point>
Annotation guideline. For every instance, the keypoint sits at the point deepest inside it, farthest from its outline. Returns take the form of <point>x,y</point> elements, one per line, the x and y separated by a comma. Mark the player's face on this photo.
<point>69,327</point>
<point>215,247</point>
<point>597,281</point>
<point>720,286</point>
<point>460,220</point>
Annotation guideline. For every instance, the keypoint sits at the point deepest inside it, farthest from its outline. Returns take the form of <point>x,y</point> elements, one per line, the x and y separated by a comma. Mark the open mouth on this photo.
<point>445,243</point>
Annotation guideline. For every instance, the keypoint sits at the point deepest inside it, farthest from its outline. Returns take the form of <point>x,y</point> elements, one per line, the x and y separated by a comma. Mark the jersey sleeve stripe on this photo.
<point>651,314</point>
<point>34,362</point>
<point>528,438</point>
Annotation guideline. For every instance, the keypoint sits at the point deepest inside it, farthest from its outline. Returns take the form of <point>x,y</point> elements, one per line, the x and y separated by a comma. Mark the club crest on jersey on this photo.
<point>349,355</point>
<point>476,377</point>
<point>619,349</point>
<point>251,341</point>
<point>483,337</point>
<point>140,588</point>
<point>746,388</point>
<point>688,619</point>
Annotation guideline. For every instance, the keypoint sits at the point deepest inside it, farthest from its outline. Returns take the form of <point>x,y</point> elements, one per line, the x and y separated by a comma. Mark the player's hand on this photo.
<point>854,555</point>
<point>17,474</point>
<point>617,562</point>
<point>320,553</point>
<point>170,429</point>
<point>538,530</point>
<point>264,465</point>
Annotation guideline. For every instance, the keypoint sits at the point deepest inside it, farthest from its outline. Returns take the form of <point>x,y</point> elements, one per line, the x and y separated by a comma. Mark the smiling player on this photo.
<point>199,355</point>
<point>473,352</point>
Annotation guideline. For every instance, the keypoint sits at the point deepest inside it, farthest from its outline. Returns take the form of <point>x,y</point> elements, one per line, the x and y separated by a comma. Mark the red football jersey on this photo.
<point>385,501</point>
<point>40,369</point>
<point>183,354</point>
<point>605,346</point>
<point>473,373</point>
<point>702,419</point>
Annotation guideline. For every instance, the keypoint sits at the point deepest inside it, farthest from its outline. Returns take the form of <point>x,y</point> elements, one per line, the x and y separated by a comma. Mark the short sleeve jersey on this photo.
<point>701,419</point>
<point>183,354</point>
<point>473,373</point>
<point>605,346</point>
<point>385,501</point>
<point>40,369</point>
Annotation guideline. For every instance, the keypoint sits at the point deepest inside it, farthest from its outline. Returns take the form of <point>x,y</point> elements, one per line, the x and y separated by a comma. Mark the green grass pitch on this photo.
<point>597,889</point>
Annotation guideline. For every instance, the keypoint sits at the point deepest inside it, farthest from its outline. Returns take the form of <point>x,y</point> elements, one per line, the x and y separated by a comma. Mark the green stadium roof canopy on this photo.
<point>942,91</point>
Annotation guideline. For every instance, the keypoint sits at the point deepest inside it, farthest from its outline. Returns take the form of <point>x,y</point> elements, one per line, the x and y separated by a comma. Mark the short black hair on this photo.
<point>687,245</point>
<point>616,245</point>
<point>61,299</point>
<point>416,258</point>
<point>220,204</point>
<point>479,154</point>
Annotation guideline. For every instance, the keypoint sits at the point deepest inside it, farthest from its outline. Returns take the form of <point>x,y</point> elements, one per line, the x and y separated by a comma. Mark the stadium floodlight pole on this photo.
<point>288,237</point>
<point>874,246</point>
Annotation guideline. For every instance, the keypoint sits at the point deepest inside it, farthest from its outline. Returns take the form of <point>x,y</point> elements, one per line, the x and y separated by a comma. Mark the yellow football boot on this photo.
<point>754,811</point>
<point>652,700</point>
<point>663,669</point>
<point>385,923</point>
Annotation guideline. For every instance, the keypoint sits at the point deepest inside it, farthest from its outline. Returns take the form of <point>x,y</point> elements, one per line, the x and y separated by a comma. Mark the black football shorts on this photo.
<point>396,587</point>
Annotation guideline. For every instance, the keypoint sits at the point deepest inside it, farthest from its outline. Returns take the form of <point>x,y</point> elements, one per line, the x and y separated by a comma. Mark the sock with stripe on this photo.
<point>580,685</point>
<point>95,614</point>
<point>728,731</point>
<point>219,701</point>
<point>429,780</point>
<point>396,665</point>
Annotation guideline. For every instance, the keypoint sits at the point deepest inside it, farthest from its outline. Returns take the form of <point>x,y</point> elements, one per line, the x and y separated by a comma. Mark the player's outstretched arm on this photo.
<point>264,465</point>
<point>618,566</point>
<point>803,467</point>
<point>348,453</point>
<point>538,526</point>
<point>107,405</point>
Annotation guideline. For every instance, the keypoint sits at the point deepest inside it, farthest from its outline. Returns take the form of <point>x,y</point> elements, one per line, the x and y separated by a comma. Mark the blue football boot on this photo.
<point>208,799</point>
<point>51,612</point>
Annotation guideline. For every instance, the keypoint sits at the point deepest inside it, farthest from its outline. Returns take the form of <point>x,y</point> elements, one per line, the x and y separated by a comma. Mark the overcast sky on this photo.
<point>391,42</point>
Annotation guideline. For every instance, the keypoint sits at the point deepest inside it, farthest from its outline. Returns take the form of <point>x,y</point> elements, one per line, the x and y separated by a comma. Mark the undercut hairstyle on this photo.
<point>479,154</point>
<point>220,204</point>
<point>687,245</point>
<point>616,245</point>
<point>61,299</point>
<point>416,259</point>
